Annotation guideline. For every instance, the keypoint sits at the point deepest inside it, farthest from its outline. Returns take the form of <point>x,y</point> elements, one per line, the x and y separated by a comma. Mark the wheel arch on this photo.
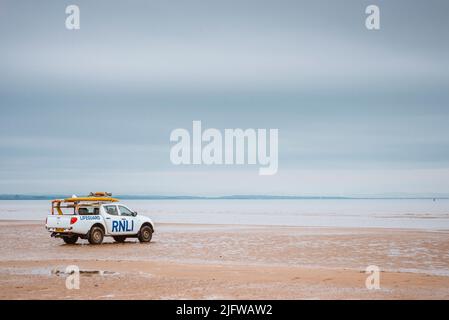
<point>98,225</point>
<point>147,223</point>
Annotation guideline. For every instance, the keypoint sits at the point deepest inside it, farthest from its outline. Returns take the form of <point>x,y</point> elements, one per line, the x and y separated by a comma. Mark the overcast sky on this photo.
<point>358,111</point>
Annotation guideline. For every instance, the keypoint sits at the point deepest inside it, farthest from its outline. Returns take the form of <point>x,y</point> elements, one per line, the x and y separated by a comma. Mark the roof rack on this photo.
<point>73,202</point>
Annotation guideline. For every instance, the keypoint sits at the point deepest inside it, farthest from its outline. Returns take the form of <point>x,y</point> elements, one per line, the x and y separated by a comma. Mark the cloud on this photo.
<point>97,106</point>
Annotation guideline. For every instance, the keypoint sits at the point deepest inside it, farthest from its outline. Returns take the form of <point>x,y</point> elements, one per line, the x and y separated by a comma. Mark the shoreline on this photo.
<point>230,225</point>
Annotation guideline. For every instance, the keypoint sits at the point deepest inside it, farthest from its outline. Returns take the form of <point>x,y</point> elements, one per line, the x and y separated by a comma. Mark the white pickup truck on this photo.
<point>95,217</point>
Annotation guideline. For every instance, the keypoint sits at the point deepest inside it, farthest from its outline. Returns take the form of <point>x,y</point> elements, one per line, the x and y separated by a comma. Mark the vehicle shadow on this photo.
<point>106,244</point>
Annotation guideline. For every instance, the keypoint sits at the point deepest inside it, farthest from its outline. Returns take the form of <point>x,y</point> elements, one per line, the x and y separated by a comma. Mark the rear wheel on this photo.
<point>145,234</point>
<point>70,239</point>
<point>96,235</point>
<point>120,239</point>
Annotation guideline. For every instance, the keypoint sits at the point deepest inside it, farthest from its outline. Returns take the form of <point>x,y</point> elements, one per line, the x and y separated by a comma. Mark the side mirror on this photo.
<point>134,213</point>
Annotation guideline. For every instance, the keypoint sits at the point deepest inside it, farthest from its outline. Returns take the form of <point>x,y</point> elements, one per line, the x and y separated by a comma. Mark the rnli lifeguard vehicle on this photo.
<point>95,216</point>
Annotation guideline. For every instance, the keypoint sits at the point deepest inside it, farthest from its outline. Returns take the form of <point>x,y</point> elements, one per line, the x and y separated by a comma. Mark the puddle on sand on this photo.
<point>54,271</point>
<point>27,271</point>
<point>87,272</point>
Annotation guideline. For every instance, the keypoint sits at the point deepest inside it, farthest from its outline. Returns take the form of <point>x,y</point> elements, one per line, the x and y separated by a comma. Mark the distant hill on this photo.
<point>228,197</point>
<point>160,197</point>
<point>29,197</point>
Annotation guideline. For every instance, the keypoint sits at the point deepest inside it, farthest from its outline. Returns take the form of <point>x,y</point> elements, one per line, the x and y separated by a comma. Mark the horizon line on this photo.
<point>51,196</point>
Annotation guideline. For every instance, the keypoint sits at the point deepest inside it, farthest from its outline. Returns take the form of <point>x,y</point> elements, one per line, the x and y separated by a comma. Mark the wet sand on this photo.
<point>227,262</point>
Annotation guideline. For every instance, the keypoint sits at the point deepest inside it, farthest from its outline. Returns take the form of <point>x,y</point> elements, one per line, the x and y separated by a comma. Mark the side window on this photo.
<point>88,211</point>
<point>125,211</point>
<point>112,210</point>
<point>83,211</point>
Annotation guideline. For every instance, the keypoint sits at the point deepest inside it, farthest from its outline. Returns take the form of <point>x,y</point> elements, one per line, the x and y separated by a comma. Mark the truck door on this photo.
<point>112,219</point>
<point>128,220</point>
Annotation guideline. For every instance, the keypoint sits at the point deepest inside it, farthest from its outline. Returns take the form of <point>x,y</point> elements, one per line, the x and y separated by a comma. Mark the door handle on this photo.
<point>108,218</point>
<point>123,218</point>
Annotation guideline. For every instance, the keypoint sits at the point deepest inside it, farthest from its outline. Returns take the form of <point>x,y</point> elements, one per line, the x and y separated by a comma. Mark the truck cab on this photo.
<point>95,217</point>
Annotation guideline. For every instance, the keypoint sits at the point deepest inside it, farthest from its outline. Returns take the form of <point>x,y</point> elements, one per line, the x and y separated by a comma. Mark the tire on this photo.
<point>145,234</point>
<point>120,239</point>
<point>96,235</point>
<point>70,239</point>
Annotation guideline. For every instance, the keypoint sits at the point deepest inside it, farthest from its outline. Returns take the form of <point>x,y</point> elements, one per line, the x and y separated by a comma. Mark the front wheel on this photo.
<point>70,239</point>
<point>96,235</point>
<point>145,234</point>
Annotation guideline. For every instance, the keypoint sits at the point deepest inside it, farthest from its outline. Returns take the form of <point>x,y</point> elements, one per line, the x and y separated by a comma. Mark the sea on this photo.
<point>426,214</point>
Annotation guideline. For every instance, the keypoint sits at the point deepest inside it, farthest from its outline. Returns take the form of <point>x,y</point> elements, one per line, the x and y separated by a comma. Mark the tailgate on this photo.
<point>59,221</point>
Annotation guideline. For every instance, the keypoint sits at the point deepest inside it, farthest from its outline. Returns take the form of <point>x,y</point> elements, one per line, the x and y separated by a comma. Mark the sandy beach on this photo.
<point>227,262</point>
